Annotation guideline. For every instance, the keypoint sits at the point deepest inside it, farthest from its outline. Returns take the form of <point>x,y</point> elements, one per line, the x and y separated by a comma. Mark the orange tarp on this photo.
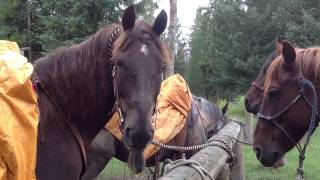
<point>18,115</point>
<point>173,105</point>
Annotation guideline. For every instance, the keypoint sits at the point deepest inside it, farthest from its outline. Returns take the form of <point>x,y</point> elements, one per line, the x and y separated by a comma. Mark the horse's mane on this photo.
<point>307,61</point>
<point>77,79</point>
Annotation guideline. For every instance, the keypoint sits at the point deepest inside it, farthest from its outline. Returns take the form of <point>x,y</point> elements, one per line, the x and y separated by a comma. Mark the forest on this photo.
<point>222,56</point>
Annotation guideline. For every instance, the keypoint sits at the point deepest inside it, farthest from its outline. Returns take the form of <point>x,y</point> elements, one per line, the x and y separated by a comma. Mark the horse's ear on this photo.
<point>160,23</point>
<point>279,45</point>
<point>128,18</point>
<point>288,53</point>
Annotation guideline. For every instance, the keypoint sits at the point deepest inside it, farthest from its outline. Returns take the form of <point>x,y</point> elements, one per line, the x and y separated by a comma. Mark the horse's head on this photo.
<point>255,93</point>
<point>139,58</point>
<point>284,116</point>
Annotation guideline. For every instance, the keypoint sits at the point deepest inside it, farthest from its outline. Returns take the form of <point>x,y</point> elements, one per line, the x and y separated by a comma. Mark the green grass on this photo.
<point>115,168</point>
<point>253,169</point>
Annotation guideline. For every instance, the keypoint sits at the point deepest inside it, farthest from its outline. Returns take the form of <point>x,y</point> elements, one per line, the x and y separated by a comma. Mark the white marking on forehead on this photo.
<point>144,49</point>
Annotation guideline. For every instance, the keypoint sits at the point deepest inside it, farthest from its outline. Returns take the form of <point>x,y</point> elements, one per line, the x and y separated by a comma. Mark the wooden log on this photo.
<point>238,171</point>
<point>249,127</point>
<point>212,158</point>
<point>224,173</point>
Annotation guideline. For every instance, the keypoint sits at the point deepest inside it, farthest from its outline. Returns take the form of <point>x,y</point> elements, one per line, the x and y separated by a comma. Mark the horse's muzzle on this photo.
<point>138,138</point>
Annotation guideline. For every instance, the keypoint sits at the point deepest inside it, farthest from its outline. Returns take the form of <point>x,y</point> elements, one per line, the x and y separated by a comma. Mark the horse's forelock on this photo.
<point>270,72</point>
<point>123,39</point>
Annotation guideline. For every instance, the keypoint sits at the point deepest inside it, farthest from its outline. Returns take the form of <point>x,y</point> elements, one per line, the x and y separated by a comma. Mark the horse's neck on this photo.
<point>83,91</point>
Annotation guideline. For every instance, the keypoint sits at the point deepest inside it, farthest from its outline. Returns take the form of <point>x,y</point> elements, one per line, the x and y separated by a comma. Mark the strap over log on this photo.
<point>212,158</point>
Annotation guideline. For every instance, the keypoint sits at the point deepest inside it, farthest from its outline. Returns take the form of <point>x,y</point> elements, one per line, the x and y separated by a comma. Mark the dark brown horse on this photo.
<point>287,102</point>
<point>79,87</point>
<point>203,121</point>
<point>254,95</point>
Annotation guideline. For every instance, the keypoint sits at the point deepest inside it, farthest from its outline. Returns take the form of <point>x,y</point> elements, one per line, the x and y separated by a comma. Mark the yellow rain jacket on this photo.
<point>173,105</point>
<point>18,115</point>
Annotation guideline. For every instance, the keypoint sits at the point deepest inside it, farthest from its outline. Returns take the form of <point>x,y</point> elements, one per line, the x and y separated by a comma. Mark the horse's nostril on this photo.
<point>257,149</point>
<point>246,101</point>
<point>255,108</point>
<point>275,155</point>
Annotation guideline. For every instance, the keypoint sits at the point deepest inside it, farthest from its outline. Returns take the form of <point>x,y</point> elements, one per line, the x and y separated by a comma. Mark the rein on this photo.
<point>314,120</point>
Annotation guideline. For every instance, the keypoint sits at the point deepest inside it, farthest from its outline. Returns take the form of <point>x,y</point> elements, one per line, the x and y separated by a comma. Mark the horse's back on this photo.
<point>212,116</point>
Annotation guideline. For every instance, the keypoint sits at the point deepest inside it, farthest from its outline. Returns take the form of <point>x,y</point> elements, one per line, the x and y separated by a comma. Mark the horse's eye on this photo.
<point>273,93</point>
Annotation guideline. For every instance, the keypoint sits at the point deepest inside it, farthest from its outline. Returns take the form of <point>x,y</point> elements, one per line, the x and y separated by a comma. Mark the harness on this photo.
<point>314,119</point>
<point>40,87</point>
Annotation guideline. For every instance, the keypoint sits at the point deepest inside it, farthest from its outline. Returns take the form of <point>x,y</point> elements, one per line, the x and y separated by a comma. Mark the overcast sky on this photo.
<point>186,11</point>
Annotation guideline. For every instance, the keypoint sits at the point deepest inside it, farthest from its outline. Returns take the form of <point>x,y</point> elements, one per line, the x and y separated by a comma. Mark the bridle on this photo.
<point>314,119</point>
<point>112,72</point>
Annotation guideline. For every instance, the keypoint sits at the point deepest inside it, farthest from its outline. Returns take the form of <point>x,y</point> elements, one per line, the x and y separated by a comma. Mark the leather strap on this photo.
<point>76,133</point>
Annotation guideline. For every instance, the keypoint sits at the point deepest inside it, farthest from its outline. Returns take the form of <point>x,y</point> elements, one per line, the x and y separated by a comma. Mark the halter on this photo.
<point>314,119</point>
<point>112,72</point>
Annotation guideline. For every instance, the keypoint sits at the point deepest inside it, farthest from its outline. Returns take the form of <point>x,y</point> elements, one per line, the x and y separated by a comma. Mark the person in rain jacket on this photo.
<point>18,115</point>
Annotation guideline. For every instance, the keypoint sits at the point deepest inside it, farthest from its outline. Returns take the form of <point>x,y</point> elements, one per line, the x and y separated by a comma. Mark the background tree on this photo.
<point>56,23</point>
<point>231,37</point>
<point>182,52</point>
<point>172,37</point>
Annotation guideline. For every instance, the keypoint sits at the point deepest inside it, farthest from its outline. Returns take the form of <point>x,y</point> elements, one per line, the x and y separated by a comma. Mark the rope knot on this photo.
<point>301,157</point>
<point>300,172</point>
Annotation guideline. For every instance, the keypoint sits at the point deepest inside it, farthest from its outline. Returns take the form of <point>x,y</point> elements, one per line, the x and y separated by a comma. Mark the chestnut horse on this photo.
<point>79,88</point>
<point>289,105</point>
<point>204,120</point>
